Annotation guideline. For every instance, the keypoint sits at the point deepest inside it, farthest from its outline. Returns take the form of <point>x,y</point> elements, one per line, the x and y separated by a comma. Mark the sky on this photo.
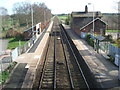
<point>67,6</point>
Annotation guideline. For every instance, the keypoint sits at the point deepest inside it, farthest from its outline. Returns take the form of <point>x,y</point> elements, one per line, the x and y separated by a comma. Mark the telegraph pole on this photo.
<point>32,21</point>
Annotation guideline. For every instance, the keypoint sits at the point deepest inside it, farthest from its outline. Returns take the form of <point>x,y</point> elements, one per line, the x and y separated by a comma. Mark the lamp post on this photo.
<point>32,21</point>
<point>93,17</point>
<point>93,23</point>
<point>45,17</point>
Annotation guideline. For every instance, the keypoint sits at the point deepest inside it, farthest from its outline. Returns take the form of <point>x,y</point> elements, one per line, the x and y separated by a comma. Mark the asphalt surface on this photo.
<point>4,61</point>
<point>17,79</point>
<point>3,44</point>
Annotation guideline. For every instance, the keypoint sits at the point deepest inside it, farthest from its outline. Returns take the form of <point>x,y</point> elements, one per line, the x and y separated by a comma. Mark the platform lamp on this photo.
<point>93,29</point>
<point>93,17</point>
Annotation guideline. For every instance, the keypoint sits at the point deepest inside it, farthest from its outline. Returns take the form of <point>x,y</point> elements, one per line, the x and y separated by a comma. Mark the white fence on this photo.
<point>22,49</point>
<point>14,54</point>
<point>109,49</point>
<point>113,50</point>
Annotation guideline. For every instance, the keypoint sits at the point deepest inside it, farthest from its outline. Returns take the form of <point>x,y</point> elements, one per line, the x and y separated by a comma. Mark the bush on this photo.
<point>14,34</point>
<point>118,42</point>
<point>112,59</point>
<point>5,74</point>
<point>88,36</point>
<point>67,21</point>
<point>19,36</point>
<point>90,40</point>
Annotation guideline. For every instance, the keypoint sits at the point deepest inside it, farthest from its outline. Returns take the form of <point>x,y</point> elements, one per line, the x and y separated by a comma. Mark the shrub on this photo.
<point>15,34</point>
<point>118,42</point>
<point>19,36</point>
<point>112,59</point>
<point>89,40</point>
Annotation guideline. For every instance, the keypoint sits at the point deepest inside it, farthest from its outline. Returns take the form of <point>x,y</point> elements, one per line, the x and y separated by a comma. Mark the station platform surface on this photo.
<point>104,71</point>
<point>24,73</point>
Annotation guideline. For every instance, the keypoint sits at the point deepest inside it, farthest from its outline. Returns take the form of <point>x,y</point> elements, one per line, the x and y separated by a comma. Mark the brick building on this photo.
<point>82,22</point>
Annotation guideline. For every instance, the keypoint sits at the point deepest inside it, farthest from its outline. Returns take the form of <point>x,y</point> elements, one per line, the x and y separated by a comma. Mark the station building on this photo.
<point>82,22</point>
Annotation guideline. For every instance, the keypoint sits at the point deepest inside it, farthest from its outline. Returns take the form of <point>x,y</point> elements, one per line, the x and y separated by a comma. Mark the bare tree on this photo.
<point>22,12</point>
<point>4,17</point>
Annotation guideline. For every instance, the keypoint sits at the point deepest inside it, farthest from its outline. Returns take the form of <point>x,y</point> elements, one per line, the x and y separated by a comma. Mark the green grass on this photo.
<point>116,45</point>
<point>112,30</point>
<point>62,17</point>
<point>5,74</point>
<point>13,43</point>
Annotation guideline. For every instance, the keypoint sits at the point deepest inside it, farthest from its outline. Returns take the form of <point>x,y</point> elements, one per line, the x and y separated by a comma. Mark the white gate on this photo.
<point>15,54</point>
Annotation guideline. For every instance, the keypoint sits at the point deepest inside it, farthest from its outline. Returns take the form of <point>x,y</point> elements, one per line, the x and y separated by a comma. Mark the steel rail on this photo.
<point>54,82</point>
<point>76,60</point>
<point>43,69</point>
<point>68,68</point>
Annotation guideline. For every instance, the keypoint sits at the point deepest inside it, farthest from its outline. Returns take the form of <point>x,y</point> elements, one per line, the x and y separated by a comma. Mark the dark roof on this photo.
<point>78,12</point>
<point>92,22</point>
<point>88,14</point>
<point>81,22</point>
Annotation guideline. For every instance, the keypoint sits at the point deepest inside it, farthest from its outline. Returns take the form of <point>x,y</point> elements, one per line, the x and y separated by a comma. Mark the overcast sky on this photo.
<point>67,6</point>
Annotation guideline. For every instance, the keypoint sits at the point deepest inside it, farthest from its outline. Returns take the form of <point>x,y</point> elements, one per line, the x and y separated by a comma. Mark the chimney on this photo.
<point>97,14</point>
<point>86,9</point>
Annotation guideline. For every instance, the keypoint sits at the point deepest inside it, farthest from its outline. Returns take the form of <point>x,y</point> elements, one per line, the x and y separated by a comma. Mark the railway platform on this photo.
<point>23,74</point>
<point>54,63</point>
<point>105,73</point>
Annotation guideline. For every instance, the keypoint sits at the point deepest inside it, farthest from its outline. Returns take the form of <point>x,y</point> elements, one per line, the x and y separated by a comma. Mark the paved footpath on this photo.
<point>105,72</point>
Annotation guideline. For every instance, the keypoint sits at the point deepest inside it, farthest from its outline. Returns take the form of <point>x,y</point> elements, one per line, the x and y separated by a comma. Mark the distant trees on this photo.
<point>22,13</point>
<point>4,17</point>
<point>41,13</point>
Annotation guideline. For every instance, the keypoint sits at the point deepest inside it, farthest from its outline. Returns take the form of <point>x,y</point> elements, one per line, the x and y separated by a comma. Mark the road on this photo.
<point>4,61</point>
<point>3,44</point>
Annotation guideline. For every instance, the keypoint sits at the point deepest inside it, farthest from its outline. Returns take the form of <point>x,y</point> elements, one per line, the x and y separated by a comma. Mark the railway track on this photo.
<point>60,68</point>
<point>78,79</point>
<point>47,78</point>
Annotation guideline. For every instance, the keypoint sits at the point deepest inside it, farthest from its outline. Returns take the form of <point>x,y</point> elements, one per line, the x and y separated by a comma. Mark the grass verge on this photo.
<point>6,73</point>
<point>13,43</point>
<point>112,30</point>
<point>63,17</point>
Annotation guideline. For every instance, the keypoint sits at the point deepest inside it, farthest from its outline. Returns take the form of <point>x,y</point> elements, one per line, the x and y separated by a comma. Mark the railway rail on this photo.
<point>60,68</point>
